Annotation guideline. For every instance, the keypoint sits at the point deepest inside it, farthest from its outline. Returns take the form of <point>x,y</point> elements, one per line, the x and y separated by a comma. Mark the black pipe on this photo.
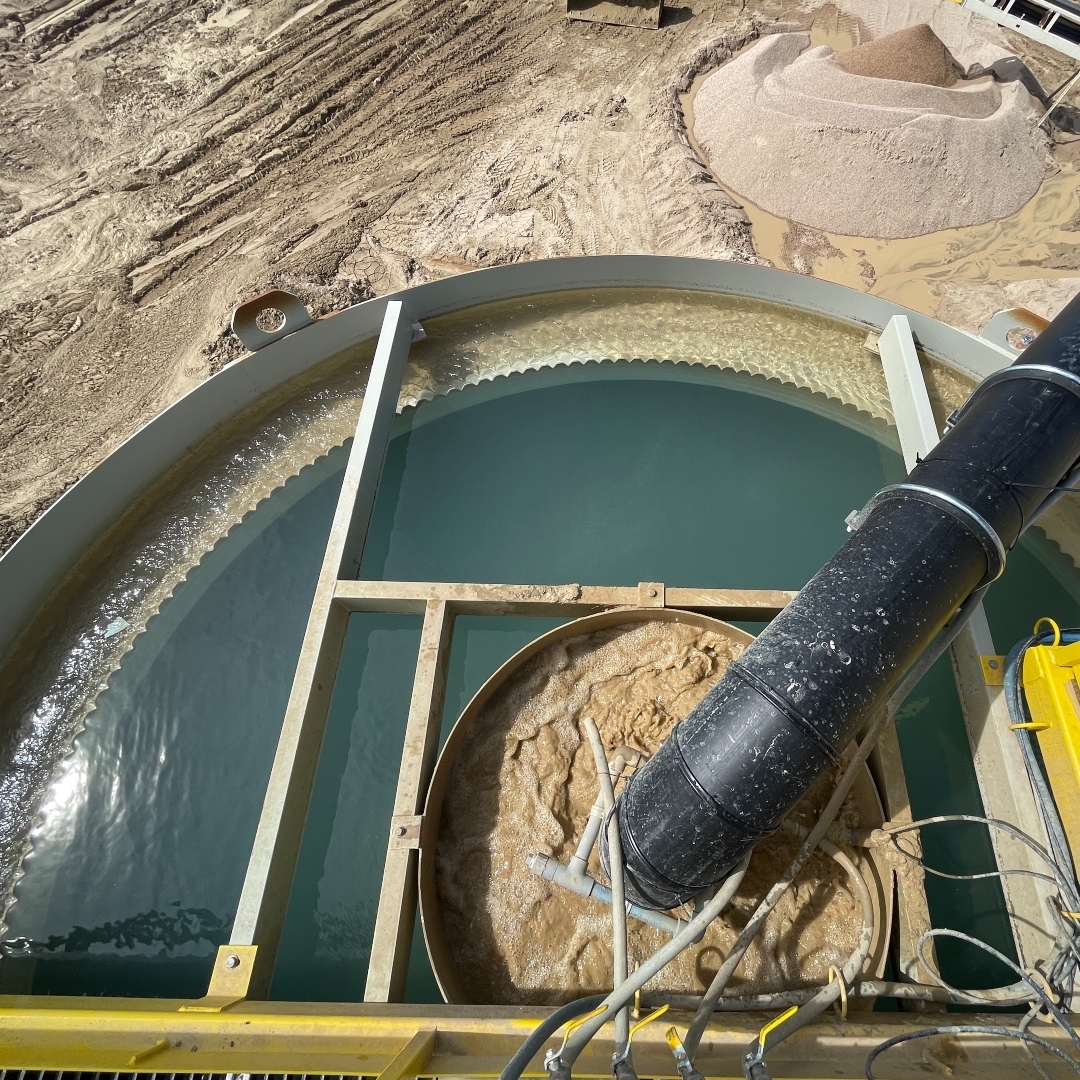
<point>784,711</point>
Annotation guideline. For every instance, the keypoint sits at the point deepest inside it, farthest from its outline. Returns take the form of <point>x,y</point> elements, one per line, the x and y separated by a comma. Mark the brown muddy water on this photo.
<point>524,782</point>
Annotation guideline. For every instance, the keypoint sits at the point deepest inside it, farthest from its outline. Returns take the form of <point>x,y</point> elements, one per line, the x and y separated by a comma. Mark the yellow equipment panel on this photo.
<point>1053,698</point>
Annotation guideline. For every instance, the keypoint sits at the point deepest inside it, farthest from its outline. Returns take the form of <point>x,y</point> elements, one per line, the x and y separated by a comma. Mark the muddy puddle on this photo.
<point>524,781</point>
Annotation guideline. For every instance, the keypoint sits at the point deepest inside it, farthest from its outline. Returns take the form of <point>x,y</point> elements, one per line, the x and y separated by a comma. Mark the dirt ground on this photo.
<point>162,161</point>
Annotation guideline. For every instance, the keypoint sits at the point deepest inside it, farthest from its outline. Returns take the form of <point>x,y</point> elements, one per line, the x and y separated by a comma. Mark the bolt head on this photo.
<point>652,592</point>
<point>401,830</point>
<point>993,665</point>
<point>232,961</point>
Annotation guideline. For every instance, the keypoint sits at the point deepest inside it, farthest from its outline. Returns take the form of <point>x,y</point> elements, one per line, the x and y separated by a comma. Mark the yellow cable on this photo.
<point>1044,619</point>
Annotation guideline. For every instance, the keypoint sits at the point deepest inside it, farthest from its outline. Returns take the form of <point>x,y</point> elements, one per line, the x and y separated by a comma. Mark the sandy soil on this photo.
<point>163,161</point>
<point>961,275</point>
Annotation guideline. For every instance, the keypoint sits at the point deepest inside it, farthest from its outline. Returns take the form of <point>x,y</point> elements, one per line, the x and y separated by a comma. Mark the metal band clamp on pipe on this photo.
<point>972,519</point>
<point>1045,372</point>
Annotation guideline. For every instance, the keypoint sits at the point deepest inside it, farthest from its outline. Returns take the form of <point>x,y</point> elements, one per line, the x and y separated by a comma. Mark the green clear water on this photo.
<point>619,474</point>
<point>612,475</point>
<point>137,865</point>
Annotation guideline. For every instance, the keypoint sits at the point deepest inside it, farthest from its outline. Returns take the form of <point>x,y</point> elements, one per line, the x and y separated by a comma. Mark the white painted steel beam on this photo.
<point>1045,36</point>
<point>272,864</point>
<point>1003,780</point>
<point>907,391</point>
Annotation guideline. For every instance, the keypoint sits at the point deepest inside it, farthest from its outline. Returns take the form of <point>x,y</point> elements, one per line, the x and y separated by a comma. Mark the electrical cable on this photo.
<point>691,933</point>
<point>851,970</point>
<point>1060,878</point>
<point>1023,1026</point>
<point>1064,959</point>
<point>863,989</point>
<point>966,1029</point>
<point>543,1031</point>
<point>1068,932</point>
<point>973,877</point>
<point>1043,996</point>
<point>790,1023</point>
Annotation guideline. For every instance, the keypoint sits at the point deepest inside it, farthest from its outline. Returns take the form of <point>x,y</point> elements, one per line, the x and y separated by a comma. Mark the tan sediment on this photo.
<point>915,54</point>
<point>165,164</point>
<point>162,166</point>
<point>524,782</point>
<point>961,276</point>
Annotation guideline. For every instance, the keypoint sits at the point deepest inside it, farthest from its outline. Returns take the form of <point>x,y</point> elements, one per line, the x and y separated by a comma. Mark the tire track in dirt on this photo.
<point>165,160</point>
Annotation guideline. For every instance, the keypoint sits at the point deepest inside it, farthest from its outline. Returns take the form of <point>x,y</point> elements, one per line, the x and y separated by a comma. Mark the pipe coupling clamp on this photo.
<point>971,519</point>
<point>1045,372</point>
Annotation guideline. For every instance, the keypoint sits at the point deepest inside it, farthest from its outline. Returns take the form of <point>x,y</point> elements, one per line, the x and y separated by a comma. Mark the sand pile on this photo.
<point>524,781</point>
<point>880,140</point>
<point>915,54</point>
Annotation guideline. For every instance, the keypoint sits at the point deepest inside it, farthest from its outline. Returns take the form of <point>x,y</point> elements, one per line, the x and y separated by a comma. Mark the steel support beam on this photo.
<point>285,1038</point>
<point>272,864</point>
<point>1003,781</point>
<point>1044,36</point>
<point>907,391</point>
<point>392,941</point>
<point>1006,792</point>
<point>913,914</point>
<point>412,597</point>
